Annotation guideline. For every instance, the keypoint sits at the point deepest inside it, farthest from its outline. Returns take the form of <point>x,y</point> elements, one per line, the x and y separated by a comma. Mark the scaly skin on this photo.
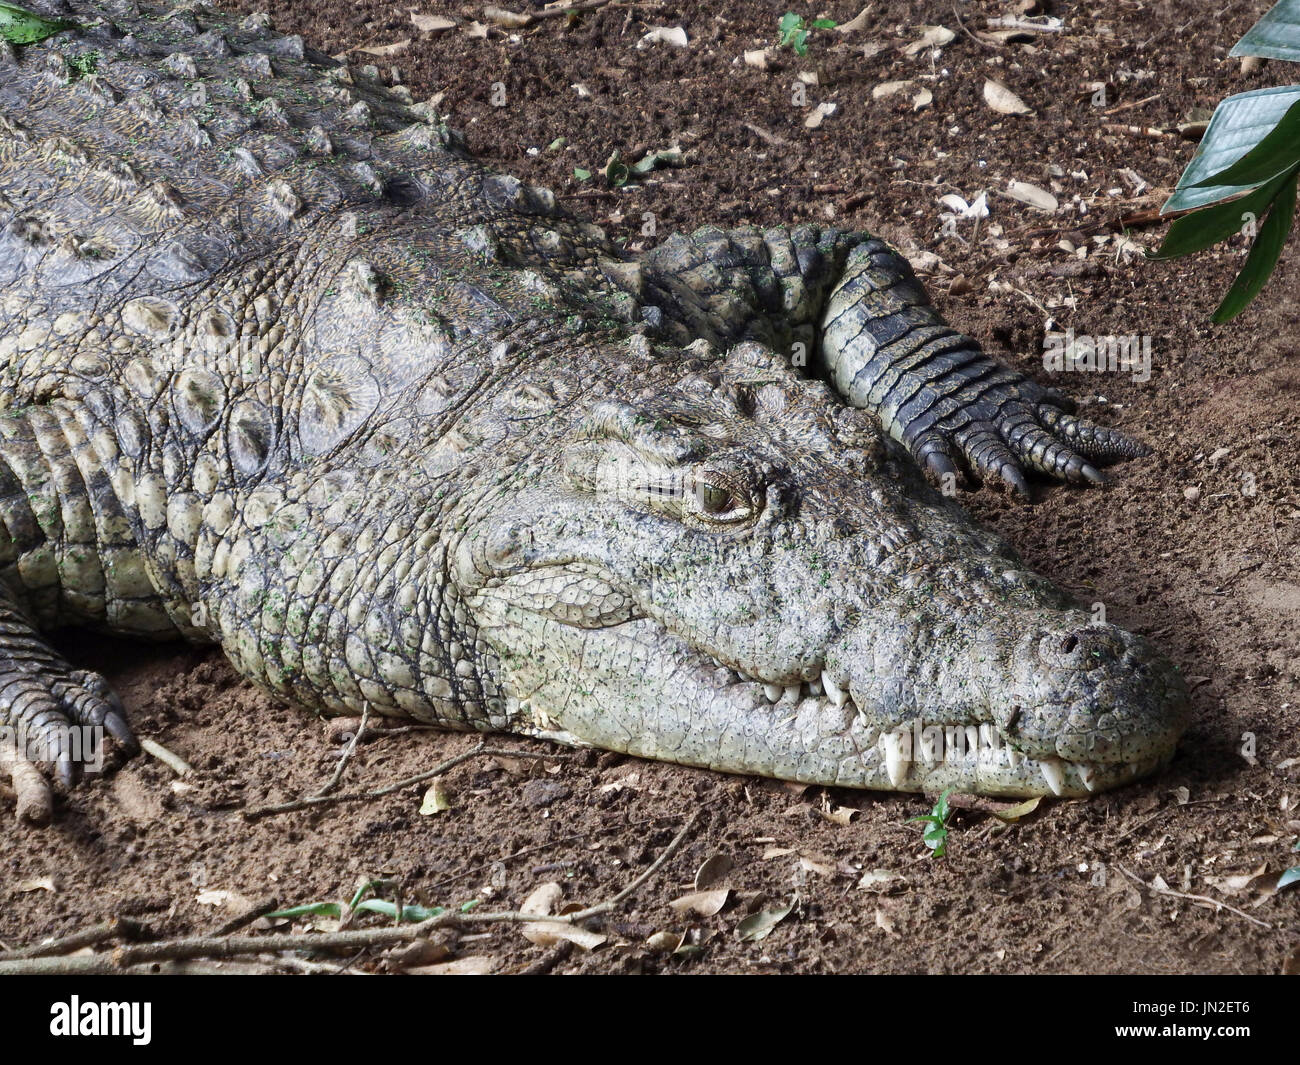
<point>287,372</point>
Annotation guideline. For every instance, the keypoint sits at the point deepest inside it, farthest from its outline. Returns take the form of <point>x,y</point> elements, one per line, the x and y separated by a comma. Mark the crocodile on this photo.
<point>286,370</point>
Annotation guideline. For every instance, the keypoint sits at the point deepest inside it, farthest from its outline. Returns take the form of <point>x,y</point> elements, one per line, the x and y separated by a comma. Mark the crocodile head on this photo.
<point>737,572</point>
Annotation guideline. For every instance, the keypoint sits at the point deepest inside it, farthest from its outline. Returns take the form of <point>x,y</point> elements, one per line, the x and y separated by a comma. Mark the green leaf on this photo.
<point>801,43</point>
<point>580,174</point>
<point>1263,255</point>
<point>1275,36</point>
<point>1239,123</point>
<point>823,24</point>
<point>313,909</point>
<point>790,22</point>
<point>1199,230</point>
<point>557,144</point>
<point>410,913</point>
<point>1291,876</point>
<point>1277,152</point>
<point>19,26</point>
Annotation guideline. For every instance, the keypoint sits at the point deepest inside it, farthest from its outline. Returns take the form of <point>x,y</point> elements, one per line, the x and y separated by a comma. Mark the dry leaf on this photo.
<point>435,800</point>
<point>230,899</point>
<point>388,50</point>
<point>876,877</point>
<point>777,852</point>
<point>705,903</point>
<point>1032,195</point>
<point>819,114</point>
<point>673,35</point>
<point>665,942</point>
<point>839,815</point>
<point>431,23</point>
<point>43,883</point>
<point>1016,811</point>
<point>884,922</point>
<point>932,37</point>
<point>757,57</point>
<point>548,933</point>
<point>857,22</point>
<point>759,925</point>
<point>923,98</point>
<point>711,873</point>
<point>1235,885</point>
<point>476,29</point>
<point>473,965</point>
<point>819,868</point>
<point>510,19</point>
<point>1003,100</point>
<point>544,899</point>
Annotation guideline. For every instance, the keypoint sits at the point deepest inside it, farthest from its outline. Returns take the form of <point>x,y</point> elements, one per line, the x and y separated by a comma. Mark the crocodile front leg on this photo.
<point>854,301</point>
<point>941,395</point>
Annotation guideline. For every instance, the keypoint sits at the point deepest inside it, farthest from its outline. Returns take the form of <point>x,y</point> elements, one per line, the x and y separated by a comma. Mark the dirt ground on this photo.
<point>1174,547</point>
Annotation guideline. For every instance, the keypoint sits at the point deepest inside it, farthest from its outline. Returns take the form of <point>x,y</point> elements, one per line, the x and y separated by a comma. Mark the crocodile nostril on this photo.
<point>1069,644</point>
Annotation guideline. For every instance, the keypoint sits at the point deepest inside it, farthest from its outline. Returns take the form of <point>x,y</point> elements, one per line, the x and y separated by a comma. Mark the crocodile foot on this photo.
<point>53,722</point>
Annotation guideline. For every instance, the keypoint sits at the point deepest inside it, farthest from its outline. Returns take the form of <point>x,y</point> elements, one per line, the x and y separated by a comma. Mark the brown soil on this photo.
<point>1213,580</point>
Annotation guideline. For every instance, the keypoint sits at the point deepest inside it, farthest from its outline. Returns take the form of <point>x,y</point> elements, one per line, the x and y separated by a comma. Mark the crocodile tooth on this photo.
<point>932,746</point>
<point>773,692</point>
<point>895,763</point>
<point>1014,757</point>
<point>792,690</point>
<point>1054,774</point>
<point>837,694</point>
<point>988,736</point>
<point>1088,773</point>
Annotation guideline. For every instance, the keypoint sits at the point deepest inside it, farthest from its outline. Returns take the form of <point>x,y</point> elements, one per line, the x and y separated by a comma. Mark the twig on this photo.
<point>118,927</point>
<point>771,138</point>
<point>366,796</point>
<point>962,26</point>
<point>347,754</point>
<point>250,915</point>
<point>174,762</point>
<point>1199,900</point>
<point>564,9</point>
<point>1133,103</point>
<point>217,947</point>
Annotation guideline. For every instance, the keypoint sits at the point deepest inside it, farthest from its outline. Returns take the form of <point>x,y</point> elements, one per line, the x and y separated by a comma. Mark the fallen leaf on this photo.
<point>1240,882</point>
<point>705,903</point>
<point>1016,811</point>
<point>1003,100</point>
<point>923,98</point>
<point>884,922</point>
<point>711,873</point>
<point>1032,195</point>
<point>757,57</point>
<point>759,925</point>
<point>665,942</point>
<point>43,883</point>
<point>543,900</point>
<point>510,19</point>
<point>819,114</point>
<point>477,29</point>
<point>931,37</point>
<point>387,50</point>
<point>819,868</point>
<point>471,965</point>
<point>431,23</point>
<point>230,899</point>
<point>672,35</point>
<point>435,800</point>
<point>857,22</point>
<point>839,815</point>
<point>777,852</point>
<point>876,877</point>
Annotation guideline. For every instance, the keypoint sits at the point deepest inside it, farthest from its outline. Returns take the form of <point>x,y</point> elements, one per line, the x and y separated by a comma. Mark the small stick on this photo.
<point>118,927</point>
<point>347,754</point>
<point>32,792</point>
<point>1134,103</point>
<point>379,793</point>
<point>248,916</point>
<point>1199,900</point>
<point>174,762</point>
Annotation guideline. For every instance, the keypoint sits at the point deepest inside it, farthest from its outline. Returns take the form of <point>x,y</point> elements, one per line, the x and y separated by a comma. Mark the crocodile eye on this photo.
<point>715,499</point>
<point>720,499</point>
